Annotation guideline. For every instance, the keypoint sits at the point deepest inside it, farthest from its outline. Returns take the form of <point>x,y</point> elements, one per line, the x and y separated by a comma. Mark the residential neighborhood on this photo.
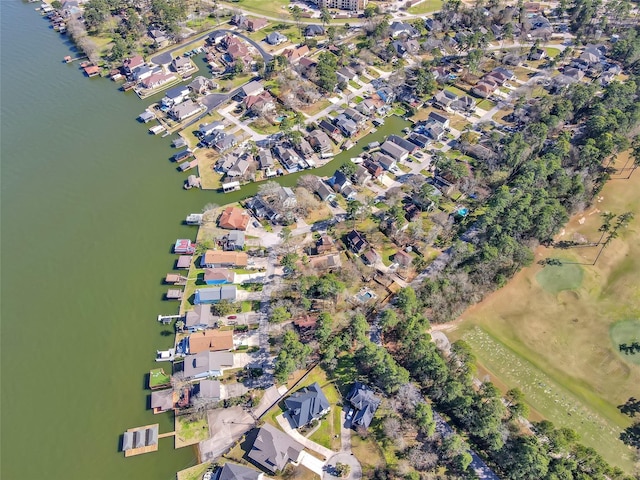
<point>373,169</point>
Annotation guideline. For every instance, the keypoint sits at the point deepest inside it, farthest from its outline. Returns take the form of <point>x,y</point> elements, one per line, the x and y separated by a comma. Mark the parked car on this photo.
<point>350,414</point>
<point>232,317</point>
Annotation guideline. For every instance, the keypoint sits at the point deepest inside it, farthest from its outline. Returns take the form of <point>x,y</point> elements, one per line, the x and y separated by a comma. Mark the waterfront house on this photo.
<point>396,152</point>
<point>321,142</point>
<point>305,405</point>
<point>356,116</point>
<point>208,296</point>
<point>219,258</point>
<point>325,192</point>
<point>209,340</point>
<point>265,159</point>
<point>145,71</point>
<point>234,240</point>
<point>328,127</point>
<point>181,65</point>
<point>404,143</point>
<point>210,128</point>
<point>385,161</point>
<point>239,168</point>
<point>272,449</point>
<point>347,126</point>
<point>162,400</point>
<point>361,175</point>
<point>276,38</point>
<point>184,245</point>
<point>132,64</point>
<point>156,80</point>
<point>201,85</point>
<point>207,364</point>
<point>218,276</point>
<point>184,110</point>
<point>209,390</point>
<point>364,402</point>
<point>225,141</point>
<point>175,95</point>
<point>199,318</point>
<point>373,167</point>
<point>232,471</point>
<point>234,218</point>
<point>356,241</point>
<point>339,181</point>
<point>91,70</point>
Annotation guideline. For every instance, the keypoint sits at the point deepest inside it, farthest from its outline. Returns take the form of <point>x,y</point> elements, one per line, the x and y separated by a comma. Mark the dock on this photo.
<point>139,440</point>
<point>174,294</point>
<point>175,279</point>
<point>157,129</point>
<point>166,319</point>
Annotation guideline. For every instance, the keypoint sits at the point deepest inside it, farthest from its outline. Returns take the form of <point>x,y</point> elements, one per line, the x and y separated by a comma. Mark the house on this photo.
<point>184,110</point>
<point>219,258</point>
<point>443,99</point>
<point>210,341</point>
<point>225,141</point>
<point>313,31</point>
<point>145,71</point>
<point>199,318</point>
<point>364,402</point>
<point>434,130</point>
<point>234,218</point>
<point>356,116</point>
<point>232,471</point>
<point>361,175</point>
<point>324,244</point>
<point>440,119</point>
<point>295,54</point>
<point>234,240</point>
<point>464,104</point>
<point>345,74</point>
<point>157,80</point>
<point>252,88</point>
<point>420,140</point>
<point>160,38</point>
<point>175,95</point>
<point>239,168</point>
<point>373,167</point>
<point>207,364</point>
<point>273,449</point>
<point>201,85</point>
<point>305,405</point>
<point>399,28</point>
<point>320,141</point>
<point>328,127</point>
<point>537,54</point>
<point>356,241</point>
<point>328,262</point>
<point>402,258</point>
<point>162,400</point>
<point>184,245</point>
<point>385,161</point>
<point>339,181</point>
<point>260,104</point>
<point>207,296</point>
<point>181,65</point>
<point>276,38</point>
<point>370,257</point>
<point>349,192</point>
<point>483,89</point>
<point>401,142</point>
<point>132,64</point>
<point>255,24</point>
<point>305,323</point>
<point>304,148</point>
<point>210,128</point>
<point>216,37</point>
<point>325,192</point>
<point>399,48</point>
<point>288,158</point>
<point>574,73</point>
<point>218,276</point>
<point>209,390</point>
<point>265,159</point>
<point>396,152</point>
<point>347,126</point>
<point>182,155</point>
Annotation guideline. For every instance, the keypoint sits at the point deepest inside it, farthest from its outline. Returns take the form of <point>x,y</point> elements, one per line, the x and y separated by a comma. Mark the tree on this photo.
<point>296,14</point>
<point>407,301</point>
<point>371,10</point>
<point>424,418</point>
<point>348,168</point>
<point>289,260</point>
<point>203,246</point>
<point>224,308</point>
<point>56,4</point>
<point>359,328</point>
<point>326,71</point>
<point>325,16</point>
<point>279,315</point>
<point>180,325</point>
<point>516,403</point>
<point>331,33</point>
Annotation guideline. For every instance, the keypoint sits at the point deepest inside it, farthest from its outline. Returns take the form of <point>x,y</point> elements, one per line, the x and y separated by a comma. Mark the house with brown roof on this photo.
<point>295,54</point>
<point>210,340</point>
<point>219,258</point>
<point>234,218</point>
<point>260,104</point>
<point>402,258</point>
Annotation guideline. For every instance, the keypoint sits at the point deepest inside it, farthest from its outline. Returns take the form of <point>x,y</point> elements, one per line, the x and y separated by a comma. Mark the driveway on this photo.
<point>226,426</point>
<point>284,424</point>
<point>355,470</point>
<point>312,463</point>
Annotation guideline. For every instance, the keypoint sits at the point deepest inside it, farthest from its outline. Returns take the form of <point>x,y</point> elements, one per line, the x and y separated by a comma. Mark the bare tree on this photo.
<point>310,182</point>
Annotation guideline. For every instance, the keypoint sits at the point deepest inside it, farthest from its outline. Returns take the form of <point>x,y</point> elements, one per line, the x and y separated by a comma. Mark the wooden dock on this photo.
<point>151,443</point>
<point>168,434</point>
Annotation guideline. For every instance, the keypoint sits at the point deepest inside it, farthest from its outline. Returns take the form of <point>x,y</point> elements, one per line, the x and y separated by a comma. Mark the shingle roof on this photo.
<point>365,402</point>
<point>272,449</point>
<point>232,471</point>
<point>306,404</point>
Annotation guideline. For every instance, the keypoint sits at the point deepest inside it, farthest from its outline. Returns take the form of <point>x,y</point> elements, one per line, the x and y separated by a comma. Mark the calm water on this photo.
<point>90,209</point>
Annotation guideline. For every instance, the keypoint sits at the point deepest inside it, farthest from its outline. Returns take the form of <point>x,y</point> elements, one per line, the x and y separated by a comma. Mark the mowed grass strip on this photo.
<point>556,278</point>
<point>626,332</point>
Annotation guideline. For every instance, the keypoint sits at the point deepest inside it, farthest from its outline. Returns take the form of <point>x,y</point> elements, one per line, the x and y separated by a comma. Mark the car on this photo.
<point>256,224</point>
<point>232,317</point>
<point>418,155</point>
<point>350,414</point>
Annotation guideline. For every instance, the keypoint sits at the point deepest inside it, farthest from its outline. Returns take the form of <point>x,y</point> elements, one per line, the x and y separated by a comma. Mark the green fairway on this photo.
<point>556,278</point>
<point>427,6</point>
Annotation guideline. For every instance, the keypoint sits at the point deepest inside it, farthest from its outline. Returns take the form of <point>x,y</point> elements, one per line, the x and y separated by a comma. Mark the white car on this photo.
<point>350,414</point>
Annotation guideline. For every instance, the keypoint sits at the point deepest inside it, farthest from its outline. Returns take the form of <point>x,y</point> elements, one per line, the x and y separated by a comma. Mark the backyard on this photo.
<point>426,6</point>
<point>190,431</point>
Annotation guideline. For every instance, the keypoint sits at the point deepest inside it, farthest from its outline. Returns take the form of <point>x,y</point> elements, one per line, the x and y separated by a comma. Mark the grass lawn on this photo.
<point>387,252</point>
<point>357,100</point>
<point>191,432</point>
<point>459,123</point>
<point>626,331</point>
<point>315,108</point>
<point>557,347</point>
<point>354,84</point>
<point>486,105</point>
<point>158,377</point>
<point>194,473</point>
<point>552,52</point>
<point>345,373</point>
<point>272,8</point>
<point>556,278</point>
<point>368,453</point>
<point>426,6</point>
<point>398,111</point>
<point>456,90</point>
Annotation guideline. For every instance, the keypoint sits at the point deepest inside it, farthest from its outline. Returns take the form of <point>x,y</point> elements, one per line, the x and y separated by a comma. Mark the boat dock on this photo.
<point>139,440</point>
<point>174,294</point>
<point>166,319</point>
<point>175,279</point>
<point>157,129</point>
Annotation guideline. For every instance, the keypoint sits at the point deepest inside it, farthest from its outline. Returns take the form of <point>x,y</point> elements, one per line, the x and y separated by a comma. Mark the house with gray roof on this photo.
<point>320,141</point>
<point>215,294</point>
<point>305,405</point>
<point>207,364</point>
<point>365,404</point>
<point>162,400</point>
<point>394,151</point>
<point>233,471</point>
<point>325,192</point>
<point>209,390</point>
<point>313,30</point>
<point>385,161</point>
<point>276,38</point>
<point>265,159</point>
<point>404,143</point>
<point>273,449</point>
<point>185,109</point>
<point>199,318</point>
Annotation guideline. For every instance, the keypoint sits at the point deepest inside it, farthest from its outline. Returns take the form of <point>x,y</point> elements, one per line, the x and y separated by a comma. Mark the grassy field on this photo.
<point>549,332</point>
<point>626,332</point>
<point>552,52</point>
<point>191,432</point>
<point>158,377</point>
<point>427,6</point>
<point>193,473</point>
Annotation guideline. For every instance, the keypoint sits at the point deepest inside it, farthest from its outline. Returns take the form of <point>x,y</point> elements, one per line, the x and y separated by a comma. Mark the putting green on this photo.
<point>626,332</point>
<point>556,278</point>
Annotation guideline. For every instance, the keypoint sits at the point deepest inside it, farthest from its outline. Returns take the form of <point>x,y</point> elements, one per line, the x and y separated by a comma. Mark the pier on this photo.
<point>166,319</point>
<point>139,440</point>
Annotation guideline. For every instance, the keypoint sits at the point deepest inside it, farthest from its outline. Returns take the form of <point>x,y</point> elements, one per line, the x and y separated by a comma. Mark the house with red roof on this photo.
<point>234,218</point>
